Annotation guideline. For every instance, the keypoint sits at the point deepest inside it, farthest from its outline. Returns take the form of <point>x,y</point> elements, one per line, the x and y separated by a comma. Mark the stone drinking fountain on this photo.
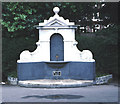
<point>56,55</point>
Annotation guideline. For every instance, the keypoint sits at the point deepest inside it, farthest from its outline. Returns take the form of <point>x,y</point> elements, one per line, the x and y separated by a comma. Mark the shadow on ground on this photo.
<point>57,96</point>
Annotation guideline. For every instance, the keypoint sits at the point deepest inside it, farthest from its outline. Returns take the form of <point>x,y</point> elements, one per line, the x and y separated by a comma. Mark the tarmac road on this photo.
<point>101,93</point>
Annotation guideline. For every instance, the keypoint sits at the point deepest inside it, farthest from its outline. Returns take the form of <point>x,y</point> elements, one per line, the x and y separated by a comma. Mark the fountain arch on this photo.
<point>56,47</point>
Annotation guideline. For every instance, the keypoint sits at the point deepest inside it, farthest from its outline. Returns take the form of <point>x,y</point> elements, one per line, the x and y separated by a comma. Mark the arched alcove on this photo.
<point>56,47</point>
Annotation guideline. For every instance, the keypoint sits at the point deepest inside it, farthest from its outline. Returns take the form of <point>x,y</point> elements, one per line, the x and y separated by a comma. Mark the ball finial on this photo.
<point>56,10</point>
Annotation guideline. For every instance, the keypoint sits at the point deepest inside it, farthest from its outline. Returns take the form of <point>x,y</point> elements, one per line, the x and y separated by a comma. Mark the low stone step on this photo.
<point>55,83</point>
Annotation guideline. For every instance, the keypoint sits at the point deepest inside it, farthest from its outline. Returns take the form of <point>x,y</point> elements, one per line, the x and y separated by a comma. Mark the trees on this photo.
<point>109,13</point>
<point>24,15</point>
<point>104,46</point>
<point>19,33</point>
<point>21,16</point>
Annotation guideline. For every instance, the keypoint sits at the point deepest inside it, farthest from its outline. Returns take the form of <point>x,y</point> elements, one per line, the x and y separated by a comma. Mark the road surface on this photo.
<point>101,93</point>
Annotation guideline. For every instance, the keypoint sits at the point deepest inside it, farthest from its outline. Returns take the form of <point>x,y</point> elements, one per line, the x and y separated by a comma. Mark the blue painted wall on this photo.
<point>56,48</point>
<point>44,70</point>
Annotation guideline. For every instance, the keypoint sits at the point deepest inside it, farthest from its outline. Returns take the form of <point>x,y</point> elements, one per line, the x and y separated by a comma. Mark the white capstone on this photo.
<point>56,10</point>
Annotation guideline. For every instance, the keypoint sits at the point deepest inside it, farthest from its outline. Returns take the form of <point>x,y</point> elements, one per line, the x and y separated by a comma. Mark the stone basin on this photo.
<point>56,64</point>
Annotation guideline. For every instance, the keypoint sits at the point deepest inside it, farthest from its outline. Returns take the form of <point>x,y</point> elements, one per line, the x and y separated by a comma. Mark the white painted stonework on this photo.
<point>56,24</point>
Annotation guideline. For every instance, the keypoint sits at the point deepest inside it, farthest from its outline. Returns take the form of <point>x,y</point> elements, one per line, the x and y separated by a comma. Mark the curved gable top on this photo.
<point>56,20</point>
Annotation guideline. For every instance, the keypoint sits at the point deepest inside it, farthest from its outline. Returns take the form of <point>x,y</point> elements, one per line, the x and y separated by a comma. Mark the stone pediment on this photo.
<point>56,20</point>
<point>56,24</point>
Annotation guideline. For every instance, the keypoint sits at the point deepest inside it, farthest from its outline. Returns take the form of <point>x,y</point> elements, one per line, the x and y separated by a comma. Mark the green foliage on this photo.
<point>12,47</point>
<point>15,15</point>
<point>104,46</point>
<point>23,15</point>
<point>109,13</point>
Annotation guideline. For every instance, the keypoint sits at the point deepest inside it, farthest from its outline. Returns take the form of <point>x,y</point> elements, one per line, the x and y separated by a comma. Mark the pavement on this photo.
<point>95,93</point>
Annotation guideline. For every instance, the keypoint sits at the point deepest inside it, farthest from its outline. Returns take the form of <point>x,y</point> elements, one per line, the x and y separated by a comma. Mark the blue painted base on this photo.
<point>56,70</point>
